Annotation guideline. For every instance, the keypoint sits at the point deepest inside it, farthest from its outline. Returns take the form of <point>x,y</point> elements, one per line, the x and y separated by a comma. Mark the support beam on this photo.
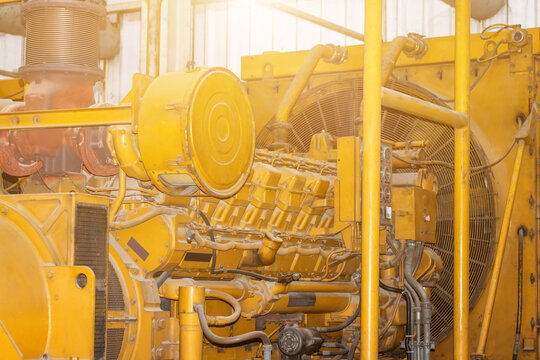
<point>371,180</point>
<point>461,183</point>
<point>99,116</point>
<point>497,265</point>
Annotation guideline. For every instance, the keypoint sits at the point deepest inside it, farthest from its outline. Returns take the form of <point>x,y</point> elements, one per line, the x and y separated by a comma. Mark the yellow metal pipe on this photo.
<point>397,46</point>
<point>327,52</point>
<point>461,183</point>
<point>169,289</point>
<point>121,195</point>
<point>371,180</point>
<point>494,281</point>
<point>241,289</point>
<point>429,111</point>
<point>191,335</point>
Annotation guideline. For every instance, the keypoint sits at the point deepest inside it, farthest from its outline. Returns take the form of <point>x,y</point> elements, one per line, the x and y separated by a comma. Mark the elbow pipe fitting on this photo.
<point>269,249</point>
<point>329,53</point>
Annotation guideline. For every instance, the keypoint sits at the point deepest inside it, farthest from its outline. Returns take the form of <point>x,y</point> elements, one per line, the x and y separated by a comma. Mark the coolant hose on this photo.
<point>233,340</point>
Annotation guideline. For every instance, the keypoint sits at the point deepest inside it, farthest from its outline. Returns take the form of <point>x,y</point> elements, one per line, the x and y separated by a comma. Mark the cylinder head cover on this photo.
<point>196,128</point>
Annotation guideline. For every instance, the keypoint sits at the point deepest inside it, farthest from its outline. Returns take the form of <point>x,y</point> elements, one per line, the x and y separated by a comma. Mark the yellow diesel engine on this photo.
<point>207,217</point>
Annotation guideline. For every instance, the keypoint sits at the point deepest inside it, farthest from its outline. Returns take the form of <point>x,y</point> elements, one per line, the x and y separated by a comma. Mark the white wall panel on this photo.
<point>11,48</point>
<point>228,29</point>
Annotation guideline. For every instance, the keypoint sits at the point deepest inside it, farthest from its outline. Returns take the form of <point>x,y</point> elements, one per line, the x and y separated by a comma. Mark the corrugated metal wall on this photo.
<point>226,30</point>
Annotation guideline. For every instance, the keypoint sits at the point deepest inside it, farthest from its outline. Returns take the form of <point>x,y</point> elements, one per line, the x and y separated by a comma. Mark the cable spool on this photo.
<point>62,36</point>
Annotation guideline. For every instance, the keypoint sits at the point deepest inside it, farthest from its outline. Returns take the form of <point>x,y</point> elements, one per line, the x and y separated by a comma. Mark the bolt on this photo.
<point>532,278</point>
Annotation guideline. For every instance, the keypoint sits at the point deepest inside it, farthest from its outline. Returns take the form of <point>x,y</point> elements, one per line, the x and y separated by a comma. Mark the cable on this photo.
<point>501,158</point>
<point>499,27</point>
<point>410,329</point>
<point>233,340</point>
<point>213,239</point>
<point>343,350</point>
<point>283,279</point>
<point>521,235</point>
<point>349,321</point>
<point>354,344</point>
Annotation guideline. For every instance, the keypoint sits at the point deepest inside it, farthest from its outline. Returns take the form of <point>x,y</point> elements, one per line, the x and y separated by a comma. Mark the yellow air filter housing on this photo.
<point>196,128</point>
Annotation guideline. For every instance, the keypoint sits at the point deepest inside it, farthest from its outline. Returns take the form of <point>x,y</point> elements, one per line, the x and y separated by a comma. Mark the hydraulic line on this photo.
<point>342,350</point>
<point>233,340</point>
<point>425,305</point>
<point>521,234</point>
<point>234,271</point>
<point>410,328</point>
<point>324,329</point>
<point>354,344</point>
<point>231,300</point>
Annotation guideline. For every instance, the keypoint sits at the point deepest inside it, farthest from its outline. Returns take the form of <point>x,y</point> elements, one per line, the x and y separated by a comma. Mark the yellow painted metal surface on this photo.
<point>462,182</point>
<point>371,159</point>
<point>283,233</point>
<point>204,119</point>
<point>440,50</point>
<point>119,115</point>
<point>12,89</point>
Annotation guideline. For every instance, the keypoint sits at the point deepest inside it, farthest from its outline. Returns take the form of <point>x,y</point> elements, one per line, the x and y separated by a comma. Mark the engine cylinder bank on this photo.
<point>62,36</point>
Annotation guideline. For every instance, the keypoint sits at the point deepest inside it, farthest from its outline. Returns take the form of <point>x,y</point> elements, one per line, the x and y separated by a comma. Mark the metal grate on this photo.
<point>115,338</point>
<point>115,301</point>
<point>91,249</point>
<point>335,107</point>
<point>115,296</point>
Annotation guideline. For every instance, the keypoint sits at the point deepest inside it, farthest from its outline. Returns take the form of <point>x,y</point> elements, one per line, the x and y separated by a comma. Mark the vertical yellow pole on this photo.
<point>191,335</point>
<point>497,265</point>
<point>371,138</point>
<point>461,183</point>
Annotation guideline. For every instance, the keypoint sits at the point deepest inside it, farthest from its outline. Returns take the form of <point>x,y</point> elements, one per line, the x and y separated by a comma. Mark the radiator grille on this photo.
<point>91,250</point>
<point>115,296</point>
<point>115,337</point>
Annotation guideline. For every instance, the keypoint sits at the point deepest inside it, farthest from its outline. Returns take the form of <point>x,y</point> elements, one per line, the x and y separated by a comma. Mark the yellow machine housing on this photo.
<point>231,226</point>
